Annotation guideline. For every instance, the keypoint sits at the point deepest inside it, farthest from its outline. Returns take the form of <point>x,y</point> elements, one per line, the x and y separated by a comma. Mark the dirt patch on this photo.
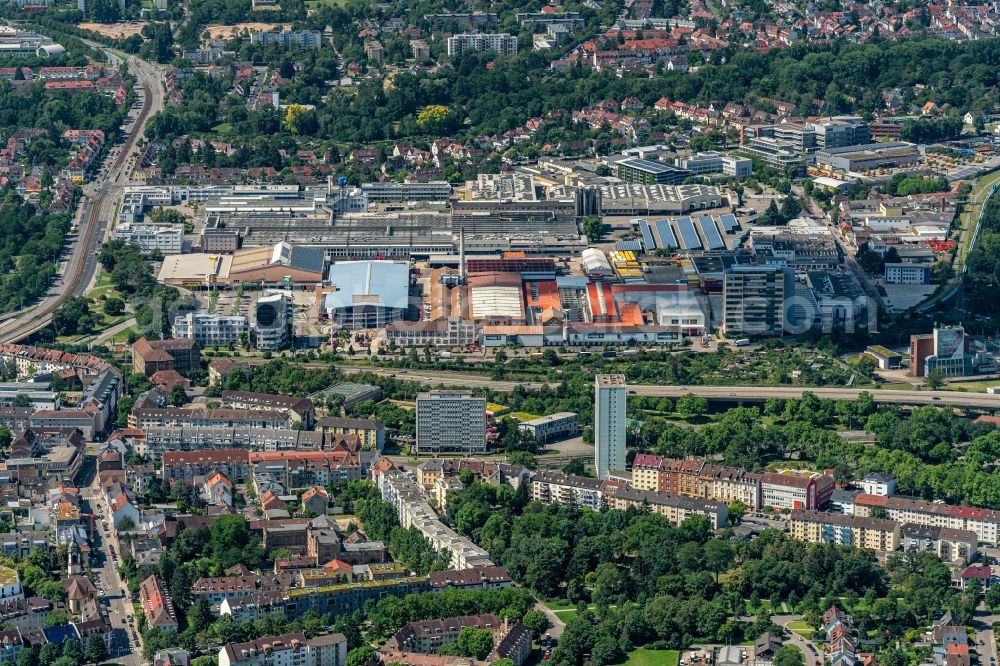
<point>229,31</point>
<point>114,30</point>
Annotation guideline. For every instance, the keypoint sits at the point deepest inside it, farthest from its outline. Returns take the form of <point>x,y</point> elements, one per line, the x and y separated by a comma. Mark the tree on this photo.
<point>360,656</point>
<point>790,208</point>
<point>522,458</point>
<point>73,649</point>
<point>73,317</point>
<point>772,216</point>
<point>474,642</point>
<point>992,597</point>
<point>200,614</point>
<point>691,405</point>
<point>737,510</point>
<point>868,259</point>
<point>21,400</point>
<point>593,228</point>
<point>435,119</point>
<point>48,653</point>
<point>935,379</point>
<point>892,657</point>
<point>113,306</point>
<point>300,120</point>
<point>574,467</point>
<point>538,622</point>
<point>57,618</point>
<point>788,655</point>
<point>94,650</point>
<point>177,395</point>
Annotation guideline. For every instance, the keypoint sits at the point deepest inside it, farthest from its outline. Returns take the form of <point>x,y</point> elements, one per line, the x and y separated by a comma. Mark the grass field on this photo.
<point>801,628</point>
<point>971,387</point>
<point>643,657</point>
<point>763,606</point>
<point>566,615</point>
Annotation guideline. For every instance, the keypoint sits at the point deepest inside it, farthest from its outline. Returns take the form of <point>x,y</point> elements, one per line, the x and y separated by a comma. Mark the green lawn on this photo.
<point>801,628</point>
<point>223,128</point>
<point>643,657</point>
<point>763,607</point>
<point>972,387</point>
<point>566,615</point>
<point>559,605</point>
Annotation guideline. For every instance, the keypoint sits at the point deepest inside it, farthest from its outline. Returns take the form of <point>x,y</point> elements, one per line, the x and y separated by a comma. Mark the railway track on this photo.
<point>80,273</point>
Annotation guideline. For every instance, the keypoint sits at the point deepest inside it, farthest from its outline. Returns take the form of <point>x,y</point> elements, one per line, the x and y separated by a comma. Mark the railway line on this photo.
<point>82,262</point>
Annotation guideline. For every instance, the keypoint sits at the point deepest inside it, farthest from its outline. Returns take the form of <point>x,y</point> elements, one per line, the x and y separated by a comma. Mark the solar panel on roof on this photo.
<point>647,236</point>
<point>630,245</point>
<point>689,237</point>
<point>729,222</point>
<point>666,234</point>
<point>713,239</point>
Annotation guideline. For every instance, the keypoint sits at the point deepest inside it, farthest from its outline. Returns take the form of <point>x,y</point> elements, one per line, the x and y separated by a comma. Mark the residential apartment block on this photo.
<point>287,650</point>
<point>451,422</point>
<point>951,545</point>
<point>298,410</point>
<point>795,491</point>
<point>165,238</point>
<point>984,523</point>
<point>695,478</point>
<point>555,487</point>
<point>609,424</point>
<point>503,43</point>
<point>404,494</point>
<point>207,418</point>
<point>370,433</point>
<point>675,509</point>
<point>157,605</point>
<point>211,329</point>
<point>876,534</point>
<point>753,300</point>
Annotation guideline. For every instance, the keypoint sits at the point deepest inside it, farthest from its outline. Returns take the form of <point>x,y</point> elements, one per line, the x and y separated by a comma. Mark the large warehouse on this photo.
<point>278,265</point>
<point>369,294</point>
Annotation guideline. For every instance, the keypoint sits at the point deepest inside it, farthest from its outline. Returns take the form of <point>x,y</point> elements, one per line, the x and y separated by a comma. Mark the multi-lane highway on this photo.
<point>727,394</point>
<point>98,206</point>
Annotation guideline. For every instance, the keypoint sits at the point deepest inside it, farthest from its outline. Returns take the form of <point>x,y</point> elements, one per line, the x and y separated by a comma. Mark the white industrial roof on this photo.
<point>382,283</point>
<point>496,301</point>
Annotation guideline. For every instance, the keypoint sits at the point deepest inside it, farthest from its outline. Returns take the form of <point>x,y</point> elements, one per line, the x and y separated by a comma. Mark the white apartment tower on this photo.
<point>609,424</point>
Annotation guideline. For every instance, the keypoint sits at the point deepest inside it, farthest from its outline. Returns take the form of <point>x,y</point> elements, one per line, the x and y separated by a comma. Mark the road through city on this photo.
<point>97,209</point>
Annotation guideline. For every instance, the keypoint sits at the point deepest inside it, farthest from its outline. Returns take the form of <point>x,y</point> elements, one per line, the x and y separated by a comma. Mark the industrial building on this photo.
<point>898,273</point>
<point>278,265</point>
<point>648,172</point>
<point>715,162</point>
<point>367,294</point>
<point>866,157</point>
